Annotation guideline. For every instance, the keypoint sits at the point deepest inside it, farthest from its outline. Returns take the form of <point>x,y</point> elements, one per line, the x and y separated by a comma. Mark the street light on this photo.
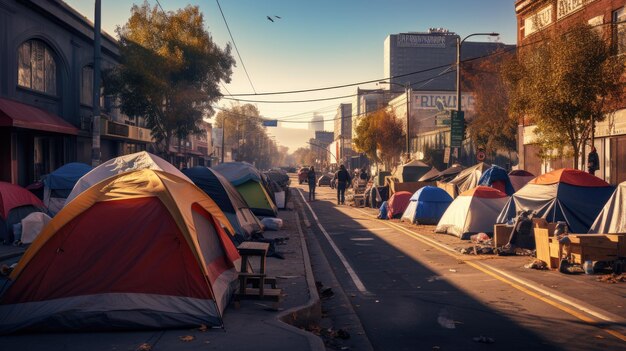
<point>223,136</point>
<point>407,91</point>
<point>459,42</point>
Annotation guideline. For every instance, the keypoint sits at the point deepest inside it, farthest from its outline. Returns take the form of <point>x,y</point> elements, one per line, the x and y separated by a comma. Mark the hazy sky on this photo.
<point>317,44</point>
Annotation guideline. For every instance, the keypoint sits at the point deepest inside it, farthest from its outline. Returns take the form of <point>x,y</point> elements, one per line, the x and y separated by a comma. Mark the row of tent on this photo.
<point>586,203</point>
<point>160,241</point>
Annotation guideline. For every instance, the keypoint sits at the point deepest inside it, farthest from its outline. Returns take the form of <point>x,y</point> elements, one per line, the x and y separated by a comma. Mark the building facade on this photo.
<point>554,17</point>
<point>433,53</point>
<point>343,131</point>
<point>46,85</point>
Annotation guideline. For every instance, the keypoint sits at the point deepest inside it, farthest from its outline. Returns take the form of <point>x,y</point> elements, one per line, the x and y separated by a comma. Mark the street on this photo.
<point>412,292</point>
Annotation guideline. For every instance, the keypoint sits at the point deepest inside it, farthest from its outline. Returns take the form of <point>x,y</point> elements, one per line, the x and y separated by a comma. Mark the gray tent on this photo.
<point>411,171</point>
<point>430,176</point>
<point>469,177</point>
<point>612,218</point>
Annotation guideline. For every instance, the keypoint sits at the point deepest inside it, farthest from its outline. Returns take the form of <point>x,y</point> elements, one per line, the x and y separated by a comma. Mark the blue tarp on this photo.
<point>382,211</point>
<point>494,174</point>
<point>427,205</point>
<point>66,176</point>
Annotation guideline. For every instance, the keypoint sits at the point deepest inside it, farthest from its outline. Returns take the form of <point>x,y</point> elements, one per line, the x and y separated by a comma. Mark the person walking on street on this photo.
<point>311,179</point>
<point>593,162</point>
<point>342,176</point>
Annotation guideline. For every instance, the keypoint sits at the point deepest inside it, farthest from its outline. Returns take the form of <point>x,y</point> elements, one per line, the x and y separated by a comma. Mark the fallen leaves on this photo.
<point>612,278</point>
<point>144,347</point>
<point>187,338</point>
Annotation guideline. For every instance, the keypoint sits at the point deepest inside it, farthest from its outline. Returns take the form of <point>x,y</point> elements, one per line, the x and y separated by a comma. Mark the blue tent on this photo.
<point>66,176</point>
<point>427,205</point>
<point>497,177</point>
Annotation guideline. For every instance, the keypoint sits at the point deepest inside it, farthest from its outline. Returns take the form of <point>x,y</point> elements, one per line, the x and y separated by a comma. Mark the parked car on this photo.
<point>302,175</point>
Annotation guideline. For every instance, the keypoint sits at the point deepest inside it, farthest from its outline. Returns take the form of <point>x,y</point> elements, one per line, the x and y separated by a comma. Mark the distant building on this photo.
<point>317,123</point>
<point>368,101</point>
<point>343,131</point>
<point>405,53</point>
<point>554,17</point>
<point>46,84</point>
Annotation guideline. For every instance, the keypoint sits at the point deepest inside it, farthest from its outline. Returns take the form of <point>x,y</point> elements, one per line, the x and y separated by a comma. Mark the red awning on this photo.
<point>17,114</point>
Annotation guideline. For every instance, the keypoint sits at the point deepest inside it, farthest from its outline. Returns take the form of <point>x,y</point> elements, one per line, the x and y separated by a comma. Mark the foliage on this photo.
<point>170,71</point>
<point>491,127</point>
<point>564,85</point>
<point>379,135</point>
<point>304,156</point>
<point>245,135</point>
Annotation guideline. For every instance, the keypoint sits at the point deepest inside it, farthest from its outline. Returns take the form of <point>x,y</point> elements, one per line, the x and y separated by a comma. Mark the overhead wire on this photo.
<point>235,45</point>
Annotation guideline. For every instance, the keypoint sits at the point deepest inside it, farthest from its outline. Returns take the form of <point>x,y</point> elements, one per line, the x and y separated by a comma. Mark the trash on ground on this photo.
<point>537,264</point>
<point>187,338</point>
<point>484,339</point>
<point>612,278</point>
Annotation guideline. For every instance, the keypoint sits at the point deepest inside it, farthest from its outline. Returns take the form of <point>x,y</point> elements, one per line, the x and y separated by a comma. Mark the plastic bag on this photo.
<point>272,223</point>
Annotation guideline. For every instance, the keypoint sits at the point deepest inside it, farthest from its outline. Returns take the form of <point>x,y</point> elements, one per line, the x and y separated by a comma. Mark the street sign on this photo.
<point>270,123</point>
<point>480,155</point>
<point>443,118</point>
<point>457,127</point>
<point>446,155</point>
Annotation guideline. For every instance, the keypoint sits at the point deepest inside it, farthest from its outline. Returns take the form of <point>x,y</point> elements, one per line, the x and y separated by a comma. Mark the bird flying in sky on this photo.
<point>270,19</point>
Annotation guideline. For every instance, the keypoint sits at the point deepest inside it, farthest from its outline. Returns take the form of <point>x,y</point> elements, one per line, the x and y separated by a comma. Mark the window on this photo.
<point>86,86</point>
<point>619,31</point>
<point>36,68</point>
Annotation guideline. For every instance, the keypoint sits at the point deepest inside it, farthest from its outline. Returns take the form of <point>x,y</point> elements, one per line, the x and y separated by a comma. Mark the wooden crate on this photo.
<point>593,247</point>
<point>501,234</point>
<point>547,247</point>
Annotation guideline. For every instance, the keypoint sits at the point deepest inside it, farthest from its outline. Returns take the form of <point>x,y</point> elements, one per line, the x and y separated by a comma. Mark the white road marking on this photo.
<point>355,278</point>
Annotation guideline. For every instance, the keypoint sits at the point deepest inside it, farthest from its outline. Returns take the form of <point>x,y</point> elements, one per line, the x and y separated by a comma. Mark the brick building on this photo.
<point>555,17</point>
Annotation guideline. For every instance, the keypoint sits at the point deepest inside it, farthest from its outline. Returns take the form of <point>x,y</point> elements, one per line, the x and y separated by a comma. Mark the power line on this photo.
<point>235,45</point>
<point>158,3</point>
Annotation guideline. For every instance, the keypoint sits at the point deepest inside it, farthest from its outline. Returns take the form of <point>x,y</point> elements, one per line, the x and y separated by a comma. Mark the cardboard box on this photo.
<point>547,247</point>
<point>501,234</point>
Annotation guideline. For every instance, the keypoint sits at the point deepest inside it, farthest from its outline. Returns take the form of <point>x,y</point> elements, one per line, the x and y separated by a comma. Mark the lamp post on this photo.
<point>223,136</point>
<point>97,57</point>
<point>407,91</point>
<point>459,43</point>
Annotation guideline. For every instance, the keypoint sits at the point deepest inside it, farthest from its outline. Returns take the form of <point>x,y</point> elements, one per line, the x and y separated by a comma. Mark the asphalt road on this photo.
<point>411,292</point>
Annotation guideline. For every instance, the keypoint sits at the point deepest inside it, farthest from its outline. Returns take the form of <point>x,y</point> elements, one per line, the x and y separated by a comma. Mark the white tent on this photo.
<point>473,211</point>
<point>122,164</point>
<point>32,226</point>
<point>612,218</point>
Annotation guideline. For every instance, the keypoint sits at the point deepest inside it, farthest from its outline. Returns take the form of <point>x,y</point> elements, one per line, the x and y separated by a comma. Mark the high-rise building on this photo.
<point>317,123</point>
<point>432,53</point>
<point>343,130</point>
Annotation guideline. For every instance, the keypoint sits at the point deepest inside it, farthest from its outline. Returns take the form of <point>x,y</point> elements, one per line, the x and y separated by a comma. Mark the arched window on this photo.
<point>36,68</point>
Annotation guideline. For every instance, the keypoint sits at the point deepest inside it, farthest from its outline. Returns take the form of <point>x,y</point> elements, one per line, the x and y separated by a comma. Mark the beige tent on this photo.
<point>612,218</point>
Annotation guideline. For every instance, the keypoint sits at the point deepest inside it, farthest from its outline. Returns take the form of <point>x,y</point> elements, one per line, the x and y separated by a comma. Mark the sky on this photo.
<point>316,44</point>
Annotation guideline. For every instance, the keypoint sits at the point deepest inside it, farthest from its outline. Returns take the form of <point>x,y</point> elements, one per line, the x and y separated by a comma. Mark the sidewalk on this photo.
<point>255,325</point>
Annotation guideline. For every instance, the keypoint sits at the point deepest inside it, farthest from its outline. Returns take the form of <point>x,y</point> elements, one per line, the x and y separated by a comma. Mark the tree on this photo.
<point>304,156</point>
<point>491,127</point>
<point>245,134</point>
<point>379,135</point>
<point>170,71</point>
<point>564,85</point>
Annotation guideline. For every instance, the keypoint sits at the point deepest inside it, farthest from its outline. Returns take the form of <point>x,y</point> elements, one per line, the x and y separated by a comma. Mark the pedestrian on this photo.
<point>343,179</point>
<point>364,175</point>
<point>311,179</point>
<point>593,162</point>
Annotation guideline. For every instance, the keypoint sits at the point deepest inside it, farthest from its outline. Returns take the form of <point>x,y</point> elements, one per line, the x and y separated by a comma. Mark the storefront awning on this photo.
<point>17,114</point>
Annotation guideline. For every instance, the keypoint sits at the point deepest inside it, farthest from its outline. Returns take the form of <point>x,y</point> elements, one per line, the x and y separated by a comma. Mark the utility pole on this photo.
<point>95,128</point>
<point>223,136</point>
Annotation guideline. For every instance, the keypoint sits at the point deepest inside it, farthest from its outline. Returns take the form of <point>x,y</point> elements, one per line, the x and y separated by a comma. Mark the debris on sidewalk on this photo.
<point>144,347</point>
<point>480,249</point>
<point>612,278</point>
<point>536,264</point>
<point>187,338</point>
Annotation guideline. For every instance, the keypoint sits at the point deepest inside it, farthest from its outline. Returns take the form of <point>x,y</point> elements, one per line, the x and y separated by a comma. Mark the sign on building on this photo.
<point>538,20</point>
<point>421,41</point>
<point>457,128</point>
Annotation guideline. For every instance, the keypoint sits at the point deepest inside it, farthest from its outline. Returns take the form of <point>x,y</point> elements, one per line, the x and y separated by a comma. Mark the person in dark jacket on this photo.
<point>593,162</point>
<point>311,179</point>
<point>343,179</point>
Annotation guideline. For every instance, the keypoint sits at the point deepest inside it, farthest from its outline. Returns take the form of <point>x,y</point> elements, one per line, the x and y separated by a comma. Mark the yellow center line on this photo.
<point>453,254</point>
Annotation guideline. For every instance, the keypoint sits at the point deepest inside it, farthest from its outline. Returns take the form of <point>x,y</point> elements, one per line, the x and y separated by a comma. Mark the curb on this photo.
<point>302,316</point>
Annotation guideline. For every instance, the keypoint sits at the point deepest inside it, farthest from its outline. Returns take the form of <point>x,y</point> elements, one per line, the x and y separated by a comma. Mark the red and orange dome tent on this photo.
<point>398,203</point>
<point>568,195</point>
<point>15,204</point>
<point>144,249</point>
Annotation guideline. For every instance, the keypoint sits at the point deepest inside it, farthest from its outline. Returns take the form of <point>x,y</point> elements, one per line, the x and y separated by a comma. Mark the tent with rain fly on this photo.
<point>519,178</point>
<point>569,195</point>
<point>427,205</point>
<point>228,199</point>
<point>59,184</point>
<point>612,218</point>
<point>121,164</point>
<point>469,177</point>
<point>15,204</point>
<point>449,173</point>
<point>411,171</point>
<point>251,185</point>
<point>140,250</point>
<point>397,204</point>
<point>473,211</point>
<point>430,176</point>
<point>497,177</point>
